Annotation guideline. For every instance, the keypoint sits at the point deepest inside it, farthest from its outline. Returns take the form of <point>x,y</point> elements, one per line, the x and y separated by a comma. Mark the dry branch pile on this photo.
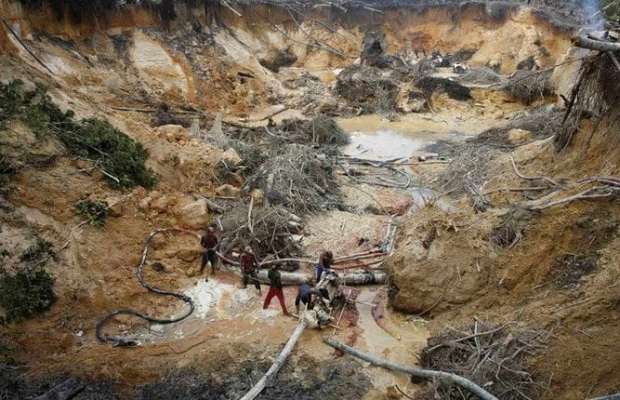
<point>528,86</point>
<point>297,177</point>
<point>366,88</point>
<point>269,231</point>
<point>467,172</point>
<point>490,355</point>
<point>320,130</point>
<point>540,122</point>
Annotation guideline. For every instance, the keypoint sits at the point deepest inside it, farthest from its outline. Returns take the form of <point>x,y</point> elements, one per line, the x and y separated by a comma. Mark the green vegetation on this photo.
<point>26,293</point>
<point>39,251</point>
<point>122,158</point>
<point>612,9</point>
<point>95,212</point>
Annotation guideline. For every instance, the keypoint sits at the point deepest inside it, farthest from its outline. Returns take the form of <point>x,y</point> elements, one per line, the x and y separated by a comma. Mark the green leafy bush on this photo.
<point>40,250</point>
<point>121,157</point>
<point>26,293</point>
<point>95,212</point>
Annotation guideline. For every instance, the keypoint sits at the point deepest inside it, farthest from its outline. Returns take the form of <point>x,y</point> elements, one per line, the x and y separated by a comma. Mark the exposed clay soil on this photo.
<point>559,272</point>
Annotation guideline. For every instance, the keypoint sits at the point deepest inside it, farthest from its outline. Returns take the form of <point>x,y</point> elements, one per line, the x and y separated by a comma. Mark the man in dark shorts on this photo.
<point>209,256</point>
<point>305,295</point>
<point>248,268</point>
<point>275,281</point>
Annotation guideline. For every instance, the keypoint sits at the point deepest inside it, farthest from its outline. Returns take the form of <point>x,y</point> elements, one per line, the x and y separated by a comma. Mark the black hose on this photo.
<point>127,341</point>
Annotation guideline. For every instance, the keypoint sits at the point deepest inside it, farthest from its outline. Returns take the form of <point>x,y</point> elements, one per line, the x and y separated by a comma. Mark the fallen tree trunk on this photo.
<point>277,364</point>
<point>63,391</point>
<point>609,397</point>
<point>441,376</point>
<point>351,279</point>
<point>592,44</point>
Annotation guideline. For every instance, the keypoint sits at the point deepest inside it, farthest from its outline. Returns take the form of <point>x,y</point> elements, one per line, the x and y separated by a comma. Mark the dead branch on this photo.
<point>531,178</point>
<point>21,42</point>
<point>227,5</point>
<point>517,189</point>
<point>615,396</point>
<point>278,363</point>
<point>587,43</point>
<point>417,372</point>
<point>592,193</point>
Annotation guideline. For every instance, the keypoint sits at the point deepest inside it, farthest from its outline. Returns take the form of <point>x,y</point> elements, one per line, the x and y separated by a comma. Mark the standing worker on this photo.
<point>324,266</point>
<point>275,281</point>
<point>248,268</point>
<point>209,256</point>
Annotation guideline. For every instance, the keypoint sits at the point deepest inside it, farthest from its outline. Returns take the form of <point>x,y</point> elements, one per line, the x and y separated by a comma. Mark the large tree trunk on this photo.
<point>417,372</point>
<point>277,364</point>
<point>351,279</point>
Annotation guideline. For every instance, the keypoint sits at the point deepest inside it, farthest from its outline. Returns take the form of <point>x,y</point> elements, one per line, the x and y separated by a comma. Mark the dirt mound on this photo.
<point>367,89</point>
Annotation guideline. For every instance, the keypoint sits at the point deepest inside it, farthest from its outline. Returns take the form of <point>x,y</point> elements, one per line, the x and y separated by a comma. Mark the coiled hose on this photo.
<point>128,341</point>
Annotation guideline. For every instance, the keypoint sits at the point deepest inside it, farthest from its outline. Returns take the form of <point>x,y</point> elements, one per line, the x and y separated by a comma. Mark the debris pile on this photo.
<point>527,86</point>
<point>540,123</point>
<point>367,89</point>
<point>467,171</point>
<point>270,231</point>
<point>321,130</point>
<point>297,177</point>
<point>492,356</point>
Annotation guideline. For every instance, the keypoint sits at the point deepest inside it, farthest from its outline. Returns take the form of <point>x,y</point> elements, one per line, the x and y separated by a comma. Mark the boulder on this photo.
<point>258,196</point>
<point>228,191</point>
<point>163,203</point>
<point>173,133</point>
<point>519,136</point>
<point>277,59</point>
<point>194,214</point>
<point>231,157</point>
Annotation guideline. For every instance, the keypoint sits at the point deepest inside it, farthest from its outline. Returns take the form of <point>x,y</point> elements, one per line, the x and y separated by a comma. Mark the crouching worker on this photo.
<point>248,268</point>
<point>209,256</point>
<point>305,295</point>
<point>275,281</point>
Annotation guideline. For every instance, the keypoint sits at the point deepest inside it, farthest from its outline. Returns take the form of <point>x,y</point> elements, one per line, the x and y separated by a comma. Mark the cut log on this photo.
<point>609,397</point>
<point>440,376</point>
<point>63,391</point>
<point>587,43</point>
<point>278,363</point>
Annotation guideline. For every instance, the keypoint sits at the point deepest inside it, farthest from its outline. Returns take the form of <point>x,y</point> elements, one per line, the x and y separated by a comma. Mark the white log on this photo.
<point>278,363</point>
<point>600,45</point>
<point>417,372</point>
